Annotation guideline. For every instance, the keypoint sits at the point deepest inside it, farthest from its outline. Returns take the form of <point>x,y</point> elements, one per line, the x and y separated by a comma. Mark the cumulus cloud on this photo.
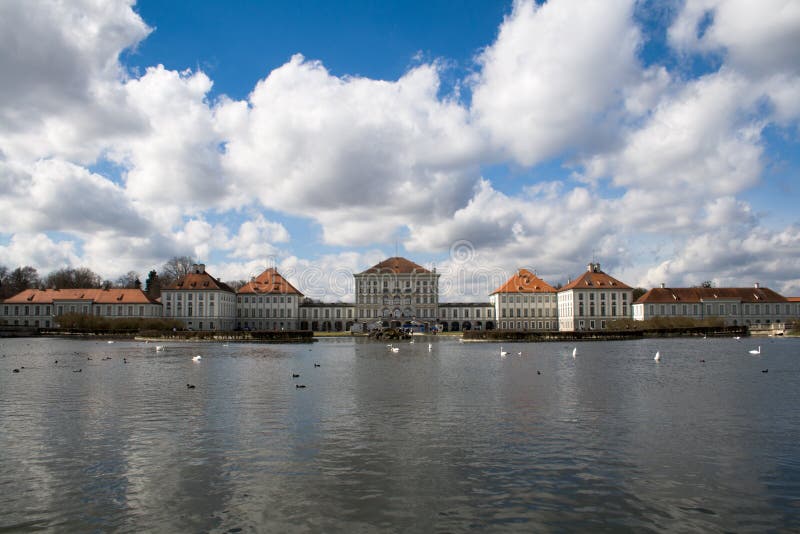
<point>555,76</point>
<point>360,156</point>
<point>61,93</point>
<point>55,195</point>
<point>757,38</point>
<point>39,251</point>
<point>661,159</point>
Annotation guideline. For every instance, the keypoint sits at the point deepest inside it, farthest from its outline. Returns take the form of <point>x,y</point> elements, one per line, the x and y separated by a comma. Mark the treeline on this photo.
<point>12,281</point>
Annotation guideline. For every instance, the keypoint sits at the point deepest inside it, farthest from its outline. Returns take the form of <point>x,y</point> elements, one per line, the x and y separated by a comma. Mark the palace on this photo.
<point>400,293</point>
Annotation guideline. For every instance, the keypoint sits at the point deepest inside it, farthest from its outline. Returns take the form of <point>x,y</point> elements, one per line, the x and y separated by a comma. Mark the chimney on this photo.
<point>199,268</point>
<point>663,285</point>
<point>757,285</point>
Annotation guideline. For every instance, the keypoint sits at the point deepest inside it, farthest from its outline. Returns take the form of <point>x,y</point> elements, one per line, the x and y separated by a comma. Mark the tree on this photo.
<point>638,292</point>
<point>175,269</point>
<point>236,285</point>
<point>152,286</point>
<point>707,283</point>
<point>129,280</point>
<point>22,278</point>
<point>4,282</point>
<point>73,278</point>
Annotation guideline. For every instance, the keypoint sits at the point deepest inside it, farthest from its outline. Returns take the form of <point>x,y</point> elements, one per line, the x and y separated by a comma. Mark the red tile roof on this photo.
<point>195,281</point>
<point>99,296</point>
<point>793,299</point>
<point>594,278</point>
<point>270,281</point>
<point>396,265</point>
<point>662,295</point>
<point>524,281</point>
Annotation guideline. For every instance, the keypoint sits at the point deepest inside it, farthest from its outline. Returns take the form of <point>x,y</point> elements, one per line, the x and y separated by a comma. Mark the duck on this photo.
<point>190,386</point>
<point>77,370</point>
<point>295,375</point>
<point>299,386</point>
<point>317,365</point>
<point>15,371</point>
<point>765,370</point>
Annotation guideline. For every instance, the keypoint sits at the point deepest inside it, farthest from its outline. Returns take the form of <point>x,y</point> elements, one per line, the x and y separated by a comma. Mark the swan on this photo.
<point>110,342</point>
<point>159,348</point>
<point>756,351</point>
<point>503,352</point>
<point>430,347</point>
<point>658,356</point>
<point>197,358</point>
<point>395,349</point>
<point>737,338</point>
<point>574,352</point>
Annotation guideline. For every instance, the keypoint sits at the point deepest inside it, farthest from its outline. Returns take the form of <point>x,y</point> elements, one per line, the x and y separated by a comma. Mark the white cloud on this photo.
<point>360,156</point>
<point>757,38</point>
<point>39,251</point>
<point>733,256</point>
<point>554,75</point>
<point>61,77</point>
<point>55,195</point>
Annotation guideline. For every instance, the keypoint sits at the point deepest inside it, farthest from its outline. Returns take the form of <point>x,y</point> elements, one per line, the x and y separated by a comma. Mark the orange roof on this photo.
<point>663,295</point>
<point>525,281</point>
<point>594,278</point>
<point>793,299</point>
<point>99,296</point>
<point>396,265</point>
<point>270,281</point>
<point>199,281</point>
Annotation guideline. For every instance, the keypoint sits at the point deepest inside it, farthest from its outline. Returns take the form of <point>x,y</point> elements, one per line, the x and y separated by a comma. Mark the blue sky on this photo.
<point>660,138</point>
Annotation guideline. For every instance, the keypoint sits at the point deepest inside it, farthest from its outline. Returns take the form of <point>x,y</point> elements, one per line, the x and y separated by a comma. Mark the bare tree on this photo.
<point>129,280</point>
<point>175,269</point>
<point>73,278</point>
<point>5,290</point>
<point>22,278</point>
<point>236,285</point>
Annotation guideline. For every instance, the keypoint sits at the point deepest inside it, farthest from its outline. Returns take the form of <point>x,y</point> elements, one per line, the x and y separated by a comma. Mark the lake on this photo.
<point>444,440</point>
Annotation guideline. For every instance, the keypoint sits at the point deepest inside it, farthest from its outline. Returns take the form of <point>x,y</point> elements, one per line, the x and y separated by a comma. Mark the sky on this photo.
<point>660,139</point>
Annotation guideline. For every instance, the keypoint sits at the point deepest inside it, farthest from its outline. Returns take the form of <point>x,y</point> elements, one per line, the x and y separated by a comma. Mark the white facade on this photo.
<point>593,300</point>
<point>200,301</point>
<point>397,291</point>
<point>733,306</point>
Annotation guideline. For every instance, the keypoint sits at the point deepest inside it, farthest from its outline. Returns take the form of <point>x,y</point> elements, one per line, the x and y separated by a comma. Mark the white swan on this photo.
<point>395,349</point>
<point>197,358</point>
<point>574,352</point>
<point>756,351</point>
<point>503,352</point>
<point>658,356</point>
<point>430,347</point>
<point>159,348</point>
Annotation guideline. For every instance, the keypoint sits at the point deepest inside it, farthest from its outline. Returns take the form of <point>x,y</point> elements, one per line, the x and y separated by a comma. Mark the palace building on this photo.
<point>397,291</point>
<point>733,305</point>
<point>525,302</point>
<point>592,300</point>
<point>268,302</point>
<point>200,301</point>
<point>40,308</point>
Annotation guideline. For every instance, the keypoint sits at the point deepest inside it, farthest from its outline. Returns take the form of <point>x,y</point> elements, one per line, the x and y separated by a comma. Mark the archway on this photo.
<point>454,326</point>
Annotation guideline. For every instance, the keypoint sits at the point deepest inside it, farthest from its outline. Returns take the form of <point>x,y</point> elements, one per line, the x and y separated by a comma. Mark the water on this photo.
<point>448,440</point>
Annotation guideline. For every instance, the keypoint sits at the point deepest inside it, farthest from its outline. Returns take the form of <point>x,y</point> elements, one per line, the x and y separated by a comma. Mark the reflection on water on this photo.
<point>446,440</point>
